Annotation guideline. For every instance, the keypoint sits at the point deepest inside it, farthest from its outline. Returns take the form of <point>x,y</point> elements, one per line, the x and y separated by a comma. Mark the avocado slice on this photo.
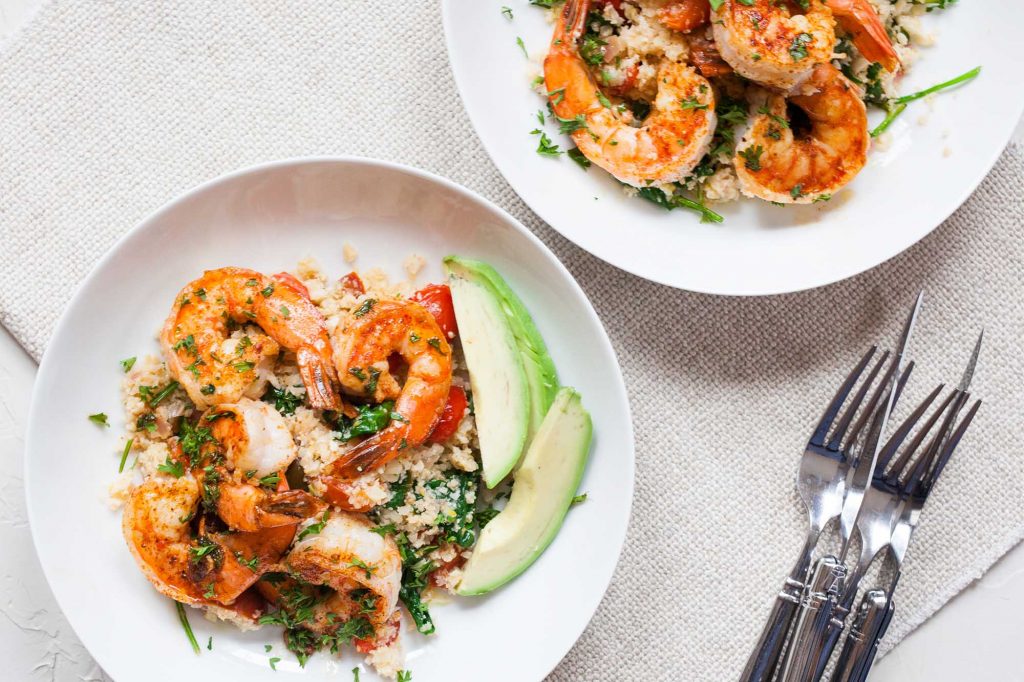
<point>501,393</point>
<point>541,375</point>
<point>544,486</point>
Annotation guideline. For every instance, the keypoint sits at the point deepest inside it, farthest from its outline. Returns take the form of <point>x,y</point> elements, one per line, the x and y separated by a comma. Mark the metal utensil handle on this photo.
<point>867,622</point>
<point>869,657</point>
<point>765,659</point>
<point>813,619</point>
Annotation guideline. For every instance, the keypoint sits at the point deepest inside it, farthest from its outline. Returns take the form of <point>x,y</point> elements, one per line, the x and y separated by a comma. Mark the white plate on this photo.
<point>268,218</point>
<point>903,194</point>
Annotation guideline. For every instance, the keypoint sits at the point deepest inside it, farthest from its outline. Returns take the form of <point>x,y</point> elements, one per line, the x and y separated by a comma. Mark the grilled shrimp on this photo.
<point>252,440</point>
<point>347,556</point>
<point>189,566</point>
<point>214,368</point>
<point>363,343</point>
<point>776,161</point>
<point>156,527</point>
<point>674,136</point>
<point>861,21</point>
<point>776,43</point>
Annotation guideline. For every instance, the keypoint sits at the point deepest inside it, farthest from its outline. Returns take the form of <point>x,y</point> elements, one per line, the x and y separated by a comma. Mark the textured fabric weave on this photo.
<point>108,110</point>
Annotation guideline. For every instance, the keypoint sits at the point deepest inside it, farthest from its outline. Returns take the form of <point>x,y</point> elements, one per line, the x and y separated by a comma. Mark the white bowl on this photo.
<point>939,150</point>
<point>268,218</point>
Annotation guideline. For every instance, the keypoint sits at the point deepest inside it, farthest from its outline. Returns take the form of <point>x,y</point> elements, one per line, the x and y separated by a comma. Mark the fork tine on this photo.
<point>858,398</point>
<point>907,476</point>
<point>947,451</point>
<point>870,410</point>
<point>818,438</point>
<point>900,435</point>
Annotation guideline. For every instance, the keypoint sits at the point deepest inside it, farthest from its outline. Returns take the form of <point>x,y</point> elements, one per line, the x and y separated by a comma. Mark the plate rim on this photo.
<point>46,362</point>
<point>836,275</point>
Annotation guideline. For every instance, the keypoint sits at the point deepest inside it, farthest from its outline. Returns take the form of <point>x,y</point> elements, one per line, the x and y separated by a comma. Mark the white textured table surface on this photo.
<point>975,637</point>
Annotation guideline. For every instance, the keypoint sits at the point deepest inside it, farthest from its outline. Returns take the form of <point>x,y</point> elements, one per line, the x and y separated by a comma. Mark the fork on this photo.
<point>909,484</point>
<point>821,485</point>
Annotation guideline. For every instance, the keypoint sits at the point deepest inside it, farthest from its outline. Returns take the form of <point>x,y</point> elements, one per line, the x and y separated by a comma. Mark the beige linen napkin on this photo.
<point>108,110</point>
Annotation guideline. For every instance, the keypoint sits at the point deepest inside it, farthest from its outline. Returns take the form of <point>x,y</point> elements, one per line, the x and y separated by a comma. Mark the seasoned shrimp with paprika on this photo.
<point>364,342</point>
<point>776,43</point>
<point>214,366</point>
<point>811,155</point>
<point>250,448</point>
<point>665,147</point>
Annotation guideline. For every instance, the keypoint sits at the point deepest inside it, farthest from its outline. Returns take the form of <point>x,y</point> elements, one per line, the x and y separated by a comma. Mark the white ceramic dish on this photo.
<point>938,153</point>
<point>268,218</point>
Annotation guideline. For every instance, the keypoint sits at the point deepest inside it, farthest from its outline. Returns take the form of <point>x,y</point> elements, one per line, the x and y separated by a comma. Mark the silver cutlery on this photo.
<point>817,609</point>
<point>821,484</point>
<point>910,484</point>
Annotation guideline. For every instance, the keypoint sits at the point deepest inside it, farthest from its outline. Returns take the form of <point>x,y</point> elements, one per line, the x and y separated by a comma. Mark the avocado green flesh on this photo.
<point>501,394</point>
<point>544,486</point>
<point>541,376</point>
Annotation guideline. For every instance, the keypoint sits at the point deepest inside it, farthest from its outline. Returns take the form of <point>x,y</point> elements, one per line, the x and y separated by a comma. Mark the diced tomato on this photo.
<point>452,415</point>
<point>628,80</point>
<point>354,283</point>
<point>289,280</point>
<point>439,575</point>
<point>338,493</point>
<point>685,15</point>
<point>437,298</point>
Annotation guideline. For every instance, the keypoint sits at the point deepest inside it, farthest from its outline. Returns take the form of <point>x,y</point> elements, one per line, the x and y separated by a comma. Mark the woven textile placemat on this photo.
<point>108,110</point>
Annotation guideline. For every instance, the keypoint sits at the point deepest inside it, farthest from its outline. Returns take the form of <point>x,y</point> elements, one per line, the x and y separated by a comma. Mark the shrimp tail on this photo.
<point>372,453</point>
<point>287,508</point>
<point>316,376</point>
<point>867,31</point>
<point>571,22</point>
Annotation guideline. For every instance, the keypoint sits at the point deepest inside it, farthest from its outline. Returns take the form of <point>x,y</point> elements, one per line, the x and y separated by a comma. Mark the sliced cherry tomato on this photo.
<point>685,15</point>
<point>354,283</point>
<point>339,494</point>
<point>454,409</point>
<point>289,280</point>
<point>437,298</point>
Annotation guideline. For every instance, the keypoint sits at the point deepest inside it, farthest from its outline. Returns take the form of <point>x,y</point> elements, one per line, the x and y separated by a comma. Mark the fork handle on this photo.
<point>765,659</point>
<point>861,646</point>
<point>814,620</point>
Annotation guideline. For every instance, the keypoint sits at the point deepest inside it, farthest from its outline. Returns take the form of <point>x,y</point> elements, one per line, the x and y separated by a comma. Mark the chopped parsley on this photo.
<point>359,563</point>
<point>752,157</point>
<point>507,12</point>
<point>172,467</point>
<point>208,389</point>
<point>435,343</point>
<point>365,307</point>
<point>576,155</point>
<point>271,480</point>
<point>183,617</point>
<point>274,661</point>
<point>797,191</point>
<point>188,343</point>
<point>124,455</point>
<point>775,117</point>
<point>285,312</point>
<point>691,103</point>
<point>798,49</point>
<point>283,400</point>
<point>192,438</point>
<point>571,125</point>
<point>592,49</point>
<point>127,364</point>
<point>545,147</point>
<point>404,676</point>
<point>99,418</point>
<point>522,46</point>
<point>268,290</point>
<point>313,528</point>
<point>578,499</point>
<point>242,366</point>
